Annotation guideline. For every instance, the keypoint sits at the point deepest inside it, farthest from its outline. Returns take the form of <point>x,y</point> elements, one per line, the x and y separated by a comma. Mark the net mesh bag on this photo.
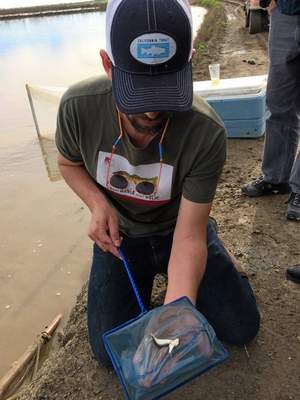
<point>162,349</point>
<point>44,102</point>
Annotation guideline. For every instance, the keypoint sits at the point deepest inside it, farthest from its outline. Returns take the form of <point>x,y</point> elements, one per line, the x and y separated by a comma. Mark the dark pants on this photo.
<point>281,159</point>
<point>225,297</point>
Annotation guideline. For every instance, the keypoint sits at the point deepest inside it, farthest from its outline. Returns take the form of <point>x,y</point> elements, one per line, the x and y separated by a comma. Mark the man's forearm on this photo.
<point>186,268</point>
<point>82,184</point>
<point>103,227</point>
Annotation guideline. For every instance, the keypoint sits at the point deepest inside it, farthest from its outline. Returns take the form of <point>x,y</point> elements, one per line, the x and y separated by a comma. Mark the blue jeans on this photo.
<point>225,297</point>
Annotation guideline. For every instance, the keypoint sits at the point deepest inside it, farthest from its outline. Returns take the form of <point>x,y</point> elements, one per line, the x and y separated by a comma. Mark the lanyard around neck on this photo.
<point>120,137</point>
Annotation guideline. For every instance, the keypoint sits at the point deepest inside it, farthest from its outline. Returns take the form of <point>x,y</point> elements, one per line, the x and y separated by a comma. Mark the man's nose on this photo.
<point>152,114</point>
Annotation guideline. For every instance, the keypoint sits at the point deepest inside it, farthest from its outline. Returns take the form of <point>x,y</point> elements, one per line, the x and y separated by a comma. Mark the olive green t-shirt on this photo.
<point>145,192</point>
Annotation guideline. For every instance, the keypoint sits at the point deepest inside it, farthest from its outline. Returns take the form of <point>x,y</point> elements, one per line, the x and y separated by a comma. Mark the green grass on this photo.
<point>208,3</point>
<point>200,48</point>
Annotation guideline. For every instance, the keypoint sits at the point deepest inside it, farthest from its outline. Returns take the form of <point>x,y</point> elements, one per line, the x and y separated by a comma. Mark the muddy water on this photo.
<point>44,251</point>
<point>29,3</point>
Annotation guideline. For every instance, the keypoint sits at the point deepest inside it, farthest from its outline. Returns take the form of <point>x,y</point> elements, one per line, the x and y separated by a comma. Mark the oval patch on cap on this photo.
<point>153,48</point>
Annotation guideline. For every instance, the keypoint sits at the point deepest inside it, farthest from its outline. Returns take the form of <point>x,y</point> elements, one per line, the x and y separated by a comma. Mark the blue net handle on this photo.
<point>133,284</point>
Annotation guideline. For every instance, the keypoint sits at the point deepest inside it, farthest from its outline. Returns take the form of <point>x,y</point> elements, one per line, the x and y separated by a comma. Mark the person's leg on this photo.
<point>295,176</point>
<point>225,296</point>
<point>294,68</point>
<point>111,300</point>
<point>283,125</point>
<point>293,209</point>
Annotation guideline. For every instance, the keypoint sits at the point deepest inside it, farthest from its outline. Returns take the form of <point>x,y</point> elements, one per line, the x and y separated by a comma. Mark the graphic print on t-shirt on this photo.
<point>143,184</point>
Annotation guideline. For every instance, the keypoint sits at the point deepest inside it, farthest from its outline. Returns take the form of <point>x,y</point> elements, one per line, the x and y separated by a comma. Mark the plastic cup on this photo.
<point>214,72</point>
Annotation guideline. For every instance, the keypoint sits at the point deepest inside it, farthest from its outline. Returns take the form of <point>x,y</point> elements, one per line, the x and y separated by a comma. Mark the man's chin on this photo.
<point>143,125</point>
<point>148,131</point>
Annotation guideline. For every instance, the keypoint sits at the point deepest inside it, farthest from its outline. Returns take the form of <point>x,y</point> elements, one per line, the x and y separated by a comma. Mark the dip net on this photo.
<point>160,350</point>
<point>44,102</point>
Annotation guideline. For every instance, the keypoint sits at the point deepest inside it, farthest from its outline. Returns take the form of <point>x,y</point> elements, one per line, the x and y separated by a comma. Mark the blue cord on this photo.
<point>161,151</point>
<point>134,287</point>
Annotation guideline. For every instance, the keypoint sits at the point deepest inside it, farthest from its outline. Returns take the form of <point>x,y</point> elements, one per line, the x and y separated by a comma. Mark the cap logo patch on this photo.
<point>153,48</point>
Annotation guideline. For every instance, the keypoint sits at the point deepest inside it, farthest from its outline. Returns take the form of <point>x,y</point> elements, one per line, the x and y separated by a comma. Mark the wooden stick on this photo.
<point>18,366</point>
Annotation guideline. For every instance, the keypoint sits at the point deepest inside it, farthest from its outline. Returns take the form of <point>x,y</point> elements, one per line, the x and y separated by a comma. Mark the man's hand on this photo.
<point>104,228</point>
<point>271,6</point>
<point>263,4</point>
<point>254,3</point>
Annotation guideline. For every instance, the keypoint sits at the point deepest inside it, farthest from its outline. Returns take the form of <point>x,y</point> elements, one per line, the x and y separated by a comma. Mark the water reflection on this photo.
<point>49,50</point>
<point>23,35</point>
<point>28,3</point>
<point>53,33</point>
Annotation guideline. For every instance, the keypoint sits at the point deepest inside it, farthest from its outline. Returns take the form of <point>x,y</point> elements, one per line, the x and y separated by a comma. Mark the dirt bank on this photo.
<point>255,230</point>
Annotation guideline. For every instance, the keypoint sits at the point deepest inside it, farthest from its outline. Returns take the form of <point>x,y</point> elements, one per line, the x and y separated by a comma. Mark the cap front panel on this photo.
<point>150,45</point>
<point>150,37</point>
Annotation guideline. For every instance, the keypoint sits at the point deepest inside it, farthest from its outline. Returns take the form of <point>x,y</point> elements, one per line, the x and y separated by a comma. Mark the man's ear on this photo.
<point>106,63</point>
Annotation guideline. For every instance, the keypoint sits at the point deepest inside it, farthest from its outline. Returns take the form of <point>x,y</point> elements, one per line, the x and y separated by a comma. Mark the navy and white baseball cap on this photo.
<point>149,43</point>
